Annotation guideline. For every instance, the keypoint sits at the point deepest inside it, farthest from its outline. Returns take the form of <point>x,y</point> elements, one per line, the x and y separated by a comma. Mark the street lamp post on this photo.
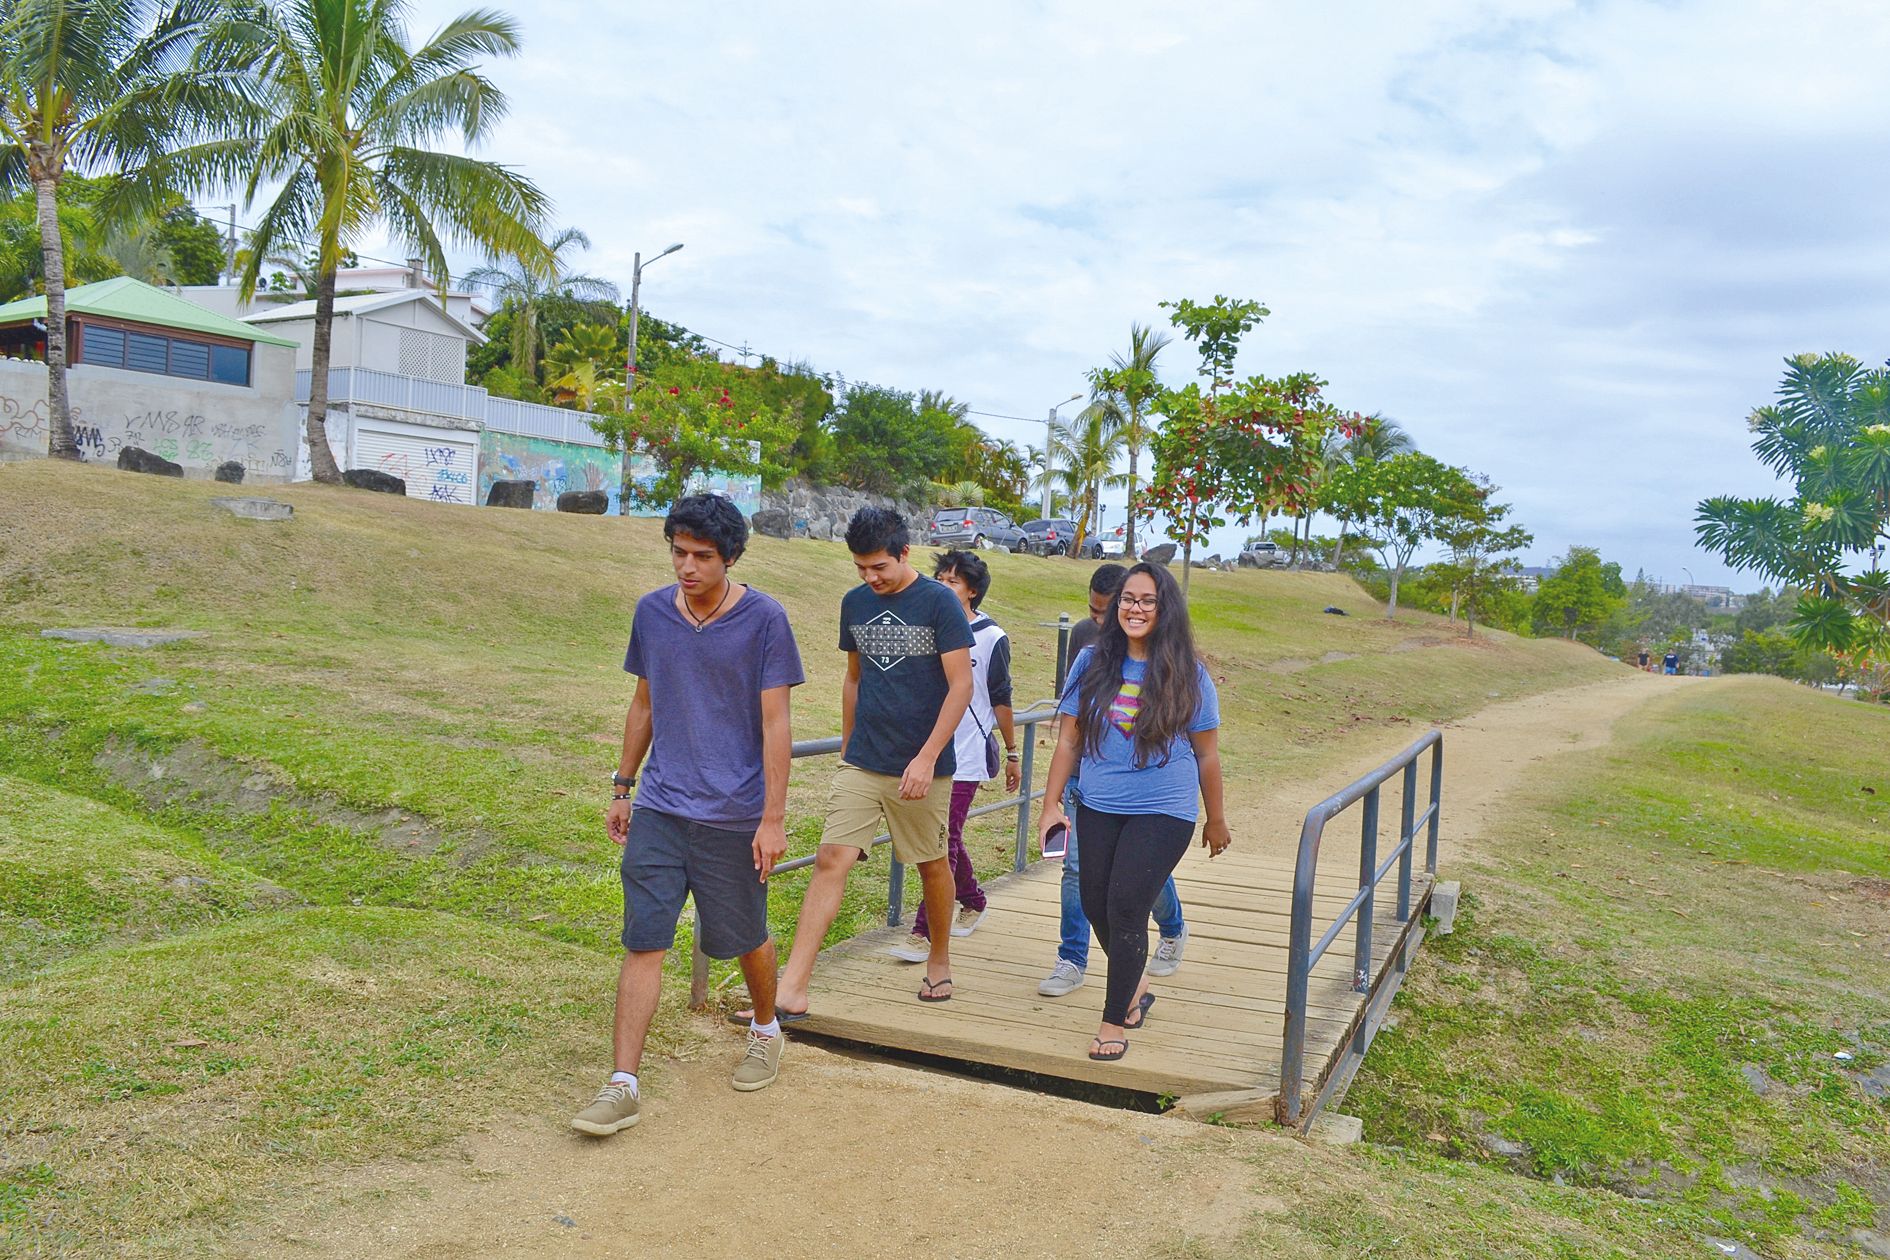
<point>1049,449</point>
<point>636,283</point>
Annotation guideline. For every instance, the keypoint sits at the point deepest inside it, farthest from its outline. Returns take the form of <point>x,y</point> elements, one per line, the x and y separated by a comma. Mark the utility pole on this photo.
<point>1050,449</point>
<point>229,248</point>
<point>636,285</point>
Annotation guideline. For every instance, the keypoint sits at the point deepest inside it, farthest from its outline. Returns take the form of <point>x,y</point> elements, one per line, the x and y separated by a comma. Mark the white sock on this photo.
<point>625,1078</point>
<point>770,1029</point>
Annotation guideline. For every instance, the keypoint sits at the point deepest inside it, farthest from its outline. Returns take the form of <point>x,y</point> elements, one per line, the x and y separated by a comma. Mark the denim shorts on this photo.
<point>665,857</point>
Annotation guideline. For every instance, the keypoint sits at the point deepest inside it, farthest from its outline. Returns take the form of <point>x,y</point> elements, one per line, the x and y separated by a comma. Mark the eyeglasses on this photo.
<point>1133,602</point>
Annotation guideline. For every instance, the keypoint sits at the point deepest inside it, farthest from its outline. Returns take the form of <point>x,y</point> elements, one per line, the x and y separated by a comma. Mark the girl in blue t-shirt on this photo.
<point>1141,713</point>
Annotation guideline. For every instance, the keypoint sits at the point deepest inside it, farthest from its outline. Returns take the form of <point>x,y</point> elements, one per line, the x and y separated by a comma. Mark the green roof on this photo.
<point>139,303</point>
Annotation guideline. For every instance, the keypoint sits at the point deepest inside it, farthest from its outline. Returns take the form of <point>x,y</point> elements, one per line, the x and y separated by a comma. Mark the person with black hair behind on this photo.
<point>975,745</point>
<point>1140,714</point>
<point>908,681</point>
<point>714,662</point>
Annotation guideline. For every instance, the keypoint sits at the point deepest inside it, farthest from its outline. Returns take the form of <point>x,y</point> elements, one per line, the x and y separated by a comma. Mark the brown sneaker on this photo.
<point>615,1109</point>
<point>761,1062</point>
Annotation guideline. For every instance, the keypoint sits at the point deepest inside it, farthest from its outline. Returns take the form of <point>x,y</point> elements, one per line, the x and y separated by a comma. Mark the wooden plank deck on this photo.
<point>1216,1028</point>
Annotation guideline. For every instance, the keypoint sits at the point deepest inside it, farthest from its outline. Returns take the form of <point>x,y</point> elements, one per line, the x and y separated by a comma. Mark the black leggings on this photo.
<point>1126,859</point>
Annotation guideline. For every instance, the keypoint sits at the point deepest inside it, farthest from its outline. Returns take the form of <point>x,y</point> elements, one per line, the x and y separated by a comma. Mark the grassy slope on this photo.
<point>397,723</point>
<point>1665,953</point>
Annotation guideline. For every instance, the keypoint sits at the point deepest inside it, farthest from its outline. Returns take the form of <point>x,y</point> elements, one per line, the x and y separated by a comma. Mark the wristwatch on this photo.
<point>619,781</point>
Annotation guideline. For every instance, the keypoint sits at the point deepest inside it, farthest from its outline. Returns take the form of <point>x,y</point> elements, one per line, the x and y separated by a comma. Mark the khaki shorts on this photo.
<point>860,798</point>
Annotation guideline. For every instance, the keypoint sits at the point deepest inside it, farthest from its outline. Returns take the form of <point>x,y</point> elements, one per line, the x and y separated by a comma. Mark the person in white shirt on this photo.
<point>975,742</point>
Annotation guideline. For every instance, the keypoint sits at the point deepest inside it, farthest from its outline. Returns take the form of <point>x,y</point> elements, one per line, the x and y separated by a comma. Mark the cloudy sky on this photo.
<point>1566,244</point>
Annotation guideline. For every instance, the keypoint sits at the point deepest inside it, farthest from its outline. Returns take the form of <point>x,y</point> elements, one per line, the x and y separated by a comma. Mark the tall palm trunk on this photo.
<point>60,443</point>
<point>1135,430</point>
<point>321,458</point>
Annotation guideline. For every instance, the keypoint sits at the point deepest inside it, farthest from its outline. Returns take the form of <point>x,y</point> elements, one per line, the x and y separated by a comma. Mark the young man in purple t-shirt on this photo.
<point>714,661</point>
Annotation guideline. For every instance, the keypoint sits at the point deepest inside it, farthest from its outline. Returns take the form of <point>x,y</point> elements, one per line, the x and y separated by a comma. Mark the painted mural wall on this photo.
<point>555,466</point>
<point>641,472</point>
<point>194,423</point>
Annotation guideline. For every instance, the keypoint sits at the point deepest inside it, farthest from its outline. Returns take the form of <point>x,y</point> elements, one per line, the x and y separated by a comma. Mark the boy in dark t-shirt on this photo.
<point>908,647</point>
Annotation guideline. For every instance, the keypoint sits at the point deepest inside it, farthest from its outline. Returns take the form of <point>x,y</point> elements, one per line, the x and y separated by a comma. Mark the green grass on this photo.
<point>1697,908</point>
<point>385,760</point>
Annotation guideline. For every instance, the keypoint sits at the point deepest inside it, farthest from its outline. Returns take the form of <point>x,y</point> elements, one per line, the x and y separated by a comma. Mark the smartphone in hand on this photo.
<point>1056,841</point>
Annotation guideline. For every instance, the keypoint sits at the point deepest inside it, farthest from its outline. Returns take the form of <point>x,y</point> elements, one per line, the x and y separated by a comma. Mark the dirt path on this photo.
<point>851,1157</point>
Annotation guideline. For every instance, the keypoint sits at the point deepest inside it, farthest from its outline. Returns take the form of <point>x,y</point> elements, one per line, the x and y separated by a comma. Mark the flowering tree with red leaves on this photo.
<point>1235,449</point>
<point>698,415</point>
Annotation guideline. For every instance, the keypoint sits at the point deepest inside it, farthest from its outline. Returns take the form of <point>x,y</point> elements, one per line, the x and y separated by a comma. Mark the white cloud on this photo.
<point>1566,242</point>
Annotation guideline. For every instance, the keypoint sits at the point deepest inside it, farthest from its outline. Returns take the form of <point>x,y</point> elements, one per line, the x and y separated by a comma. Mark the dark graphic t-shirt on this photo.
<point>902,681</point>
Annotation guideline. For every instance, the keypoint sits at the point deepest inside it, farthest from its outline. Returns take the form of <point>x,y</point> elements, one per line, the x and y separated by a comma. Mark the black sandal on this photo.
<point>1103,1054</point>
<point>929,990</point>
<point>1141,1010</point>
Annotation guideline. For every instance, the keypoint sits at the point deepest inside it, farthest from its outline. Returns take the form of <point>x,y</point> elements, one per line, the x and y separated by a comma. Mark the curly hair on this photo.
<point>713,518</point>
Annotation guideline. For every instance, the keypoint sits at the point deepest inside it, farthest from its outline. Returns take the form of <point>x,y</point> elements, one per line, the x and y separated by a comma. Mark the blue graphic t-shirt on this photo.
<point>902,681</point>
<point>1112,782</point>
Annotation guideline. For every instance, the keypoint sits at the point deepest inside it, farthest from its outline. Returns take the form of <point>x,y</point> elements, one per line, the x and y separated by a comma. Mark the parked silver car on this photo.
<point>973,527</point>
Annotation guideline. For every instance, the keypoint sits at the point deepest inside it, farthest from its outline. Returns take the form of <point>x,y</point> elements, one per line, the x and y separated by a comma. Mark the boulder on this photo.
<point>373,479</point>
<point>774,522</point>
<point>1164,554</point>
<point>136,459</point>
<point>820,529</point>
<point>582,502</point>
<point>512,494</point>
<point>230,471</point>
<point>255,509</point>
<point>1248,560</point>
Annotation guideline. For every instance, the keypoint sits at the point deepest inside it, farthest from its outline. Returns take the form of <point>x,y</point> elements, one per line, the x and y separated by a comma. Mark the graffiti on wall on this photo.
<point>183,437</point>
<point>443,474</point>
<point>555,467</point>
<point>641,474</point>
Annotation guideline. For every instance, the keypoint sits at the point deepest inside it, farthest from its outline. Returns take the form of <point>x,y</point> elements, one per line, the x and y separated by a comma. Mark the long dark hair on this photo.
<point>1171,689</point>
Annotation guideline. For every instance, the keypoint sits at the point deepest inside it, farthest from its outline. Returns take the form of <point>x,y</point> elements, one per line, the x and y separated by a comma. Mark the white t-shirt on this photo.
<point>990,687</point>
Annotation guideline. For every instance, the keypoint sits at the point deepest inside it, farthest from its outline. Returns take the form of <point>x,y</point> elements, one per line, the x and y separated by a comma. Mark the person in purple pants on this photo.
<point>975,742</point>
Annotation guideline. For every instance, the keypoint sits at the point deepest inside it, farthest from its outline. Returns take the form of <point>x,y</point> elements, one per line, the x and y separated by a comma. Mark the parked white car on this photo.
<point>1261,555</point>
<point>1115,541</point>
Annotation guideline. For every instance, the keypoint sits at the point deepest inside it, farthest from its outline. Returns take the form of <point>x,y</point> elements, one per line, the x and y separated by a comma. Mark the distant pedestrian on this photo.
<point>1141,716</point>
<point>1670,663</point>
<point>1072,965</point>
<point>714,662</point>
<point>1644,659</point>
<point>975,745</point>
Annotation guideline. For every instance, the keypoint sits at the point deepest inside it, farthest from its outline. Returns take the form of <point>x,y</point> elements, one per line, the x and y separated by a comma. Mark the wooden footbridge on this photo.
<point>1293,956</point>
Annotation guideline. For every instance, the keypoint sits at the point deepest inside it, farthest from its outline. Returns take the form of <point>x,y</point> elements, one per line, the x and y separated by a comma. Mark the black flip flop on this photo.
<point>929,990</point>
<point>781,1016</point>
<point>1141,1008</point>
<point>1103,1054</point>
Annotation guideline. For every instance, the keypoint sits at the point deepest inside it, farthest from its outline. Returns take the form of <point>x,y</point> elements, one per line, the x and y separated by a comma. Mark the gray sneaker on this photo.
<point>917,949</point>
<point>614,1110</point>
<point>761,1062</point>
<point>1064,979</point>
<point>1167,959</point>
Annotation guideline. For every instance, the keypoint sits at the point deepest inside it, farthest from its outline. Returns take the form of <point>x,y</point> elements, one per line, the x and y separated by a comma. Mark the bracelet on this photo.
<point>618,780</point>
<point>623,796</point>
<point>1010,756</point>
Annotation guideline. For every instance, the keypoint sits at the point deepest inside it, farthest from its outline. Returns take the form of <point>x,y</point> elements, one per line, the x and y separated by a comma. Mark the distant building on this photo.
<point>152,370</point>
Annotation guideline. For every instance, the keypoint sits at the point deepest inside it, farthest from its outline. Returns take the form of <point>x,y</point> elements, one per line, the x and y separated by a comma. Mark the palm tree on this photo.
<point>345,114</point>
<point>1086,448</point>
<point>1130,382</point>
<point>1379,438</point>
<point>98,86</point>
<point>524,287</point>
<point>583,364</point>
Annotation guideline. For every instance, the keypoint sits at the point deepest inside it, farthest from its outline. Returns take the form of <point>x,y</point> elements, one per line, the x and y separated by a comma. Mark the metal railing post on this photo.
<point>1437,805</point>
<point>1298,969</point>
<point>896,893</point>
<point>1023,804</point>
<point>1367,868</point>
<point>1406,840</point>
<point>1063,650</point>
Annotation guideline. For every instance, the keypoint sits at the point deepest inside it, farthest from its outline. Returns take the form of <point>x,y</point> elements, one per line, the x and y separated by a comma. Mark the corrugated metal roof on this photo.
<point>137,302</point>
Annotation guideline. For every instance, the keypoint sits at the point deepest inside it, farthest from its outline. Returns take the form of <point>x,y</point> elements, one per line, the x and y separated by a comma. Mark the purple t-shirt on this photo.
<point>705,703</point>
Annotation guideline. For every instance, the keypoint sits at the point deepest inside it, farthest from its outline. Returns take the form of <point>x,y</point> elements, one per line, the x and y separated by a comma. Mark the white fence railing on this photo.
<point>464,402</point>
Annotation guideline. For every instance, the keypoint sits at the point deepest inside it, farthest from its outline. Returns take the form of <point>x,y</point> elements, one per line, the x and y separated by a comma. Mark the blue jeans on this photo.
<point>1074,948</point>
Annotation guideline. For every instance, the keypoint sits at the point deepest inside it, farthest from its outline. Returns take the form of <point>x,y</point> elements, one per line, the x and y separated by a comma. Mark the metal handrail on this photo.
<point>1303,954</point>
<point>1038,713</point>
